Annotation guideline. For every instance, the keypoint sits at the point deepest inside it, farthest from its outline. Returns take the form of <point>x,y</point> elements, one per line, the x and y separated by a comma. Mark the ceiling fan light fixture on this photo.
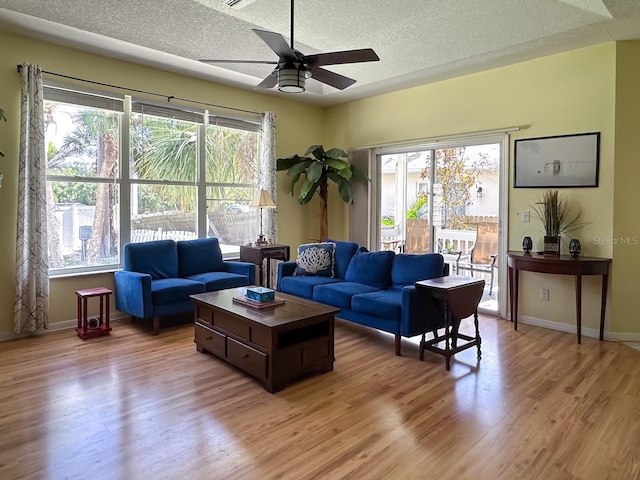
<point>292,79</point>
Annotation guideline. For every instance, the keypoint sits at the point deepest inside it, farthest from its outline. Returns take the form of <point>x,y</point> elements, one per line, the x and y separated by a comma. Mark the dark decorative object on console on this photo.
<point>574,247</point>
<point>527,244</point>
<point>552,244</point>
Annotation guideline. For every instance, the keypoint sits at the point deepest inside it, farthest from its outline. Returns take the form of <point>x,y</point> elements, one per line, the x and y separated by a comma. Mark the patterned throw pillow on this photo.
<point>315,259</point>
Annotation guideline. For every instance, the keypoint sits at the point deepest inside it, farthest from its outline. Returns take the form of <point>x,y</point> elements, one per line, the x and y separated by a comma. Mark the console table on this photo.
<point>257,254</point>
<point>561,265</point>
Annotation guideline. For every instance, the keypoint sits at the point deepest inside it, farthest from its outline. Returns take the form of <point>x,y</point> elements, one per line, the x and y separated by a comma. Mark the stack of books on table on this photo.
<point>259,297</point>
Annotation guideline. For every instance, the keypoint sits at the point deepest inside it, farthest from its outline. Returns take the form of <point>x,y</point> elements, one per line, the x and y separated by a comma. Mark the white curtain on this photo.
<point>268,172</point>
<point>31,309</point>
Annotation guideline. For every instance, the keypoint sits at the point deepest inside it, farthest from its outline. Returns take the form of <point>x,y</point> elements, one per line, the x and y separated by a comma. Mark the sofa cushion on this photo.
<point>371,268</point>
<point>199,256</point>
<point>383,303</point>
<point>342,256</point>
<point>220,280</point>
<point>303,286</point>
<point>407,269</point>
<point>315,259</point>
<point>170,290</point>
<point>158,258</point>
<point>339,294</point>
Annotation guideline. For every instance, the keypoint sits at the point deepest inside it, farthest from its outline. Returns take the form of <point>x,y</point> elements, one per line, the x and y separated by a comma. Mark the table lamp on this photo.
<point>262,200</point>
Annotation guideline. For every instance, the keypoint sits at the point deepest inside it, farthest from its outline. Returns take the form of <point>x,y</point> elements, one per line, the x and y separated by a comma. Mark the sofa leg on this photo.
<point>156,325</point>
<point>398,337</point>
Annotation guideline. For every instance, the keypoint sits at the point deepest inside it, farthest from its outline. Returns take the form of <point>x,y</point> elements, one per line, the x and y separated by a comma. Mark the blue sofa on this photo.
<point>376,289</point>
<point>159,276</point>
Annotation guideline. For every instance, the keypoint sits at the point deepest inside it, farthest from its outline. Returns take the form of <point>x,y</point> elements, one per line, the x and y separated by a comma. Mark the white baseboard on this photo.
<point>56,327</point>
<point>587,332</point>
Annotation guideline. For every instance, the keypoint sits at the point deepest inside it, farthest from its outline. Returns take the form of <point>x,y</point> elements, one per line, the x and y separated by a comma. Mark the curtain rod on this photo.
<point>440,139</point>
<point>168,97</point>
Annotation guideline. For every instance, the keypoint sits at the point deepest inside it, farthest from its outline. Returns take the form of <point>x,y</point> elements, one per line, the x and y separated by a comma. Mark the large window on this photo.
<point>185,174</point>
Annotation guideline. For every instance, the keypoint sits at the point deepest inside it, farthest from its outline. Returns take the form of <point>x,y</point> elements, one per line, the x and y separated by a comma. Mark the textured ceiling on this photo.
<point>418,41</point>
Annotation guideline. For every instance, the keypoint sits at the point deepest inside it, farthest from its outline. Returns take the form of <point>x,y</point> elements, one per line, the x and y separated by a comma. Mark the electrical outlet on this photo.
<point>526,216</point>
<point>544,294</point>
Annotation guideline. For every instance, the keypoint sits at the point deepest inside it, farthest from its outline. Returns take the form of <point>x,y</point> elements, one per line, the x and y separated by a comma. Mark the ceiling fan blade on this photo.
<point>345,56</point>
<point>268,82</point>
<point>262,62</point>
<point>331,78</point>
<point>277,43</point>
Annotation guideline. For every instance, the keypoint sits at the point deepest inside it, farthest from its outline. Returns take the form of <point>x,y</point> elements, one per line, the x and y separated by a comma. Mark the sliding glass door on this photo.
<point>445,200</point>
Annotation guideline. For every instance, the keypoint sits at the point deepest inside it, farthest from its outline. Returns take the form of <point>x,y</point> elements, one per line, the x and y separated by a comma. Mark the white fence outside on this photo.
<point>455,240</point>
<point>144,235</point>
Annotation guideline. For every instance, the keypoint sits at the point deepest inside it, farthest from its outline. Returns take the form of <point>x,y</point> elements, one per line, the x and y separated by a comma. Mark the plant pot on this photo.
<point>551,245</point>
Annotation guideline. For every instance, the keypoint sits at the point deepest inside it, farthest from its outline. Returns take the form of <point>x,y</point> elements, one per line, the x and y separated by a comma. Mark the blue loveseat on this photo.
<point>159,276</point>
<point>376,289</point>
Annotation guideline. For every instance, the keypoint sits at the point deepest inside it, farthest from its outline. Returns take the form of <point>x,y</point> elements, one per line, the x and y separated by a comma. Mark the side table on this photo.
<point>83,329</point>
<point>458,297</point>
<point>259,253</point>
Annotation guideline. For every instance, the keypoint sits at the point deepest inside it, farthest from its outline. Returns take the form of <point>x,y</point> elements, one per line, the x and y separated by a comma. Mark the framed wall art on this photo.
<point>557,162</point>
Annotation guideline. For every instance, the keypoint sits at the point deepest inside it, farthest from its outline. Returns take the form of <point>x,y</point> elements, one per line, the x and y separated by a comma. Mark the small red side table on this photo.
<point>83,329</point>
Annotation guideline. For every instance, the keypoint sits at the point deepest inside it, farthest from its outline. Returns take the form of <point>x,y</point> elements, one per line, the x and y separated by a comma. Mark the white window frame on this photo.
<point>94,99</point>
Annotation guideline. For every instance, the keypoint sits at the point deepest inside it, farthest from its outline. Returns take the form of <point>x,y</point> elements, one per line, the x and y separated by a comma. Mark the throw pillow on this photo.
<point>409,268</point>
<point>371,268</point>
<point>315,259</point>
<point>342,256</point>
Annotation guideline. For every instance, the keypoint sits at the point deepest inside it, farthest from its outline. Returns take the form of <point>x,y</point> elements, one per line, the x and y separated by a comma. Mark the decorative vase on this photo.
<point>527,244</point>
<point>551,245</point>
<point>574,247</point>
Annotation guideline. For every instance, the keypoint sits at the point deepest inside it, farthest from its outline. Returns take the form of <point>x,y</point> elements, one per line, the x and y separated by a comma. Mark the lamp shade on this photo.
<point>262,199</point>
<point>292,79</point>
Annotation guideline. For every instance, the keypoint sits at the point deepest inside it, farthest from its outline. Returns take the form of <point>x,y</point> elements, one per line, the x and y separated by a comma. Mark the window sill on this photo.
<point>62,274</point>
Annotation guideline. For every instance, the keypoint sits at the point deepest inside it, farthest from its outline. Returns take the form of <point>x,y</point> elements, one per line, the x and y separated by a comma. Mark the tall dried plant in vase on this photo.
<point>558,218</point>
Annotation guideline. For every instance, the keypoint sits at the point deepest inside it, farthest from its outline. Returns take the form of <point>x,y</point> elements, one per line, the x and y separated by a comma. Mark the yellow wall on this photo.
<point>561,94</point>
<point>298,126</point>
<point>626,219</point>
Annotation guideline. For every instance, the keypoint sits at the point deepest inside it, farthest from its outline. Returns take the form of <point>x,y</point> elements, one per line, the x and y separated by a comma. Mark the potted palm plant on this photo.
<point>558,219</point>
<point>316,167</point>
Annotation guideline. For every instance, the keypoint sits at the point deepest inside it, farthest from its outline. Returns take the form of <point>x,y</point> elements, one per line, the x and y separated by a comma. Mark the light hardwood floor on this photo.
<point>136,406</point>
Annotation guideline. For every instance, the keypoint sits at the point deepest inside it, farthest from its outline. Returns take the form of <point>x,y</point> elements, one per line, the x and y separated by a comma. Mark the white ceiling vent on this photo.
<point>238,4</point>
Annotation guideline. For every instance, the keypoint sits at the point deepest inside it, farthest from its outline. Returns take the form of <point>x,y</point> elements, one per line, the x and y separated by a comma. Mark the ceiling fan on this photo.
<point>293,68</point>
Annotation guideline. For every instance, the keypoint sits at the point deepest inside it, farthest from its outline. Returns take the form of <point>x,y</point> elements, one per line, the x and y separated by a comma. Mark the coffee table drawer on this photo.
<point>248,359</point>
<point>231,325</point>
<point>210,340</point>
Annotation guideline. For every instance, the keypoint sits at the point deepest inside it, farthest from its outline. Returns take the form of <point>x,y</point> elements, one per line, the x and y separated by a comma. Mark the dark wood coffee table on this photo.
<point>276,345</point>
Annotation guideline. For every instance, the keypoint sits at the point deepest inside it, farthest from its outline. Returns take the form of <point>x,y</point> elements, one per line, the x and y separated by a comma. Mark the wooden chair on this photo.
<point>484,254</point>
<point>390,238</point>
<point>417,241</point>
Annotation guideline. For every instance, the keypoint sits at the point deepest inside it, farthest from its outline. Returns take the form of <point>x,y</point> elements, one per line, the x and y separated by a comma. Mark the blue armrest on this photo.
<point>133,293</point>
<point>242,268</point>
<point>285,269</point>
<point>419,313</point>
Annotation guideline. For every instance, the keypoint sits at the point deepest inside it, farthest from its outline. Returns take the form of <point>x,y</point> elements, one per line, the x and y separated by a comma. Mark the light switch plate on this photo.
<point>526,215</point>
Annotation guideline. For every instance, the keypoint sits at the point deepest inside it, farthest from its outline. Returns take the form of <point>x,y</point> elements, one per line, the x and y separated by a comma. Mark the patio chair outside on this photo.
<point>484,254</point>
